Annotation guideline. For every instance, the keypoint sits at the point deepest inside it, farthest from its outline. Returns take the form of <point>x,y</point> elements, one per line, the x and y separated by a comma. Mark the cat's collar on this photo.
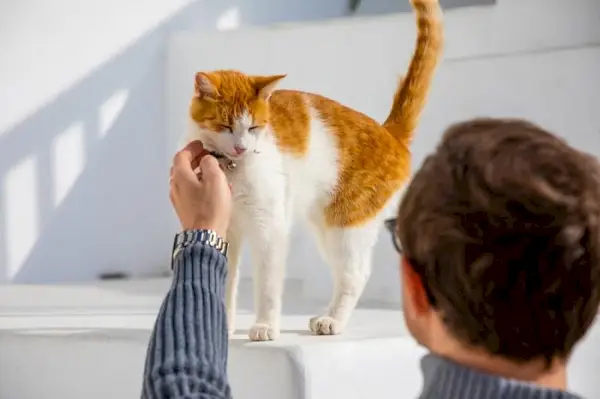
<point>229,163</point>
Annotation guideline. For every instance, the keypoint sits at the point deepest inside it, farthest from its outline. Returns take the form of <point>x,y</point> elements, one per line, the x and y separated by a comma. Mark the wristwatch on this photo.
<point>190,237</point>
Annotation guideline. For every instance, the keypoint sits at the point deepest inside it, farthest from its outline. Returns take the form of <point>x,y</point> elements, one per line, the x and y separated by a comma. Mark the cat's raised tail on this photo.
<point>413,89</point>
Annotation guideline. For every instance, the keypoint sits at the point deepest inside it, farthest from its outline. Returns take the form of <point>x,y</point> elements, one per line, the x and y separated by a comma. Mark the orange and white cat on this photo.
<point>303,156</point>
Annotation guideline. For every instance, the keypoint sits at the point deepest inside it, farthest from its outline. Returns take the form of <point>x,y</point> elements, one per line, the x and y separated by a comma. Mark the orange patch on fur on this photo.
<point>375,160</point>
<point>290,121</point>
<point>373,164</point>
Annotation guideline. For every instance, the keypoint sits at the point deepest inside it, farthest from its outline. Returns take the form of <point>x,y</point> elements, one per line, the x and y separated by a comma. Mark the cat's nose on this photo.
<point>239,150</point>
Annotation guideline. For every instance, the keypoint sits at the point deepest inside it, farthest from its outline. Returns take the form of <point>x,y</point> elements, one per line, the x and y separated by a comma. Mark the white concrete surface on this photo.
<point>536,59</point>
<point>89,341</point>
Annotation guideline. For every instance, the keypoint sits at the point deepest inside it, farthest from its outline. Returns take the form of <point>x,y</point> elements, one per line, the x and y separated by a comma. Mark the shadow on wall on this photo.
<point>88,172</point>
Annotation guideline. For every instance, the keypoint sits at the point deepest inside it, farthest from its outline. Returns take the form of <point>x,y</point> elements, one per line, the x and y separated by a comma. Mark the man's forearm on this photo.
<point>187,354</point>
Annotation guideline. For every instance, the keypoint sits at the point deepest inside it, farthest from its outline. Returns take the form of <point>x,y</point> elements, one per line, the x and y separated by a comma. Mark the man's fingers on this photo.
<point>209,166</point>
<point>190,154</point>
<point>194,148</point>
<point>196,161</point>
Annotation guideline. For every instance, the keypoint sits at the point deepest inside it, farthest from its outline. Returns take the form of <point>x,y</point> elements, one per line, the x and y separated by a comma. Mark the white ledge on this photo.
<point>90,341</point>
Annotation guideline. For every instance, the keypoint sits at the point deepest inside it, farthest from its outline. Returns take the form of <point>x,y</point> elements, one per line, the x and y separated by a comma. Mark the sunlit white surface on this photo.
<point>69,160</point>
<point>90,341</point>
<point>21,212</point>
<point>110,110</point>
<point>229,20</point>
<point>49,46</point>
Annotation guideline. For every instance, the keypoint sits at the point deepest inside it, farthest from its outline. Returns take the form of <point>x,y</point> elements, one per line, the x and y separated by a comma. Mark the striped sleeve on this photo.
<point>187,353</point>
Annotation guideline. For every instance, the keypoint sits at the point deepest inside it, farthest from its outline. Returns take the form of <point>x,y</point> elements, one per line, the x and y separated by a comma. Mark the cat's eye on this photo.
<point>254,128</point>
<point>226,127</point>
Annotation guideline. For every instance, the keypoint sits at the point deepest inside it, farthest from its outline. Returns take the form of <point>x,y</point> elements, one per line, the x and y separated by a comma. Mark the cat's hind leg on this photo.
<point>349,250</point>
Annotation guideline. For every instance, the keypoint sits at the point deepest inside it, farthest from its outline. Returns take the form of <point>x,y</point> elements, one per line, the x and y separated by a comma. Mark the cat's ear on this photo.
<point>204,86</point>
<point>265,85</point>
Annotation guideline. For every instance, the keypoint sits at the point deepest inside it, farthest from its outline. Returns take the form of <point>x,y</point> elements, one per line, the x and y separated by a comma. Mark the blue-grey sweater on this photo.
<point>187,354</point>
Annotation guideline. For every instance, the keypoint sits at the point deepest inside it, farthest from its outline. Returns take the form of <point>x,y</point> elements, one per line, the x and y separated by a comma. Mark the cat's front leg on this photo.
<point>235,239</point>
<point>269,243</point>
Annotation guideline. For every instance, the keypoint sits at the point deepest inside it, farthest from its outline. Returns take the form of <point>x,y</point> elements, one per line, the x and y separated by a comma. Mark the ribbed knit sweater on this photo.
<point>187,353</point>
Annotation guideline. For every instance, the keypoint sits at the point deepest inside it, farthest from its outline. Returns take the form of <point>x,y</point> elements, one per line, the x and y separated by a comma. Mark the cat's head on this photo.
<point>231,110</point>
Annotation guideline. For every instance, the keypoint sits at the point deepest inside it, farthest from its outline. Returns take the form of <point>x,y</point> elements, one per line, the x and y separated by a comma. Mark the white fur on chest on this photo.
<point>304,182</point>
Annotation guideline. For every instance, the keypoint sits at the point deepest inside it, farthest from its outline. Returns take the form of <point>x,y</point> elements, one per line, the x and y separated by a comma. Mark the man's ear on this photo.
<point>265,85</point>
<point>205,86</point>
<point>413,288</point>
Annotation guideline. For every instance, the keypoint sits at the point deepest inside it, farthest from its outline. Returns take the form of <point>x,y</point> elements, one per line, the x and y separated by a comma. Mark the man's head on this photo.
<point>500,234</point>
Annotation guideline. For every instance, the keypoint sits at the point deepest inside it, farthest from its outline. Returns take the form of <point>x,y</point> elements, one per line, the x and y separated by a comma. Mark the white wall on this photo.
<point>83,185</point>
<point>538,59</point>
<point>83,146</point>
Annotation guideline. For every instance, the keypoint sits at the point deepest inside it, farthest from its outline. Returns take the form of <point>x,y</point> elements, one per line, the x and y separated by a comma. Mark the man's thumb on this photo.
<point>210,167</point>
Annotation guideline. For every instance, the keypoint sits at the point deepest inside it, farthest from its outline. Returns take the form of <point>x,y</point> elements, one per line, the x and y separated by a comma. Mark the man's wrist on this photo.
<point>218,232</point>
<point>206,226</point>
<point>199,263</point>
<point>190,237</point>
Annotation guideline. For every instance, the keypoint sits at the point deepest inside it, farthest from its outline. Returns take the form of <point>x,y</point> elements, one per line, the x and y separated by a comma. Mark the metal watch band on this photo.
<point>189,237</point>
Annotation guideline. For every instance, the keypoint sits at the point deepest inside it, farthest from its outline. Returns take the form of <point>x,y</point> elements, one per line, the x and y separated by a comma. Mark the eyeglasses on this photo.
<point>390,225</point>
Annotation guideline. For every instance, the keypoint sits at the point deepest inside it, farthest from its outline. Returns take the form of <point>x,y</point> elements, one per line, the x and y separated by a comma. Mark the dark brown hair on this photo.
<point>502,224</point>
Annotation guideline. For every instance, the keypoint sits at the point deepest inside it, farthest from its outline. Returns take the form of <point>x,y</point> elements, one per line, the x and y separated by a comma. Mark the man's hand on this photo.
<point>202,199</point>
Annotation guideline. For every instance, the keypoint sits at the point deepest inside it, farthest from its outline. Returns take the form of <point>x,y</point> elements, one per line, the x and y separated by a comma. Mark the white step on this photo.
<point>90,341</point>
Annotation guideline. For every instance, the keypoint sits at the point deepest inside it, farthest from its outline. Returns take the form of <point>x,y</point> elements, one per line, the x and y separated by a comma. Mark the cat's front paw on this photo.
<point>263,332</point>
<point>325,325</point>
